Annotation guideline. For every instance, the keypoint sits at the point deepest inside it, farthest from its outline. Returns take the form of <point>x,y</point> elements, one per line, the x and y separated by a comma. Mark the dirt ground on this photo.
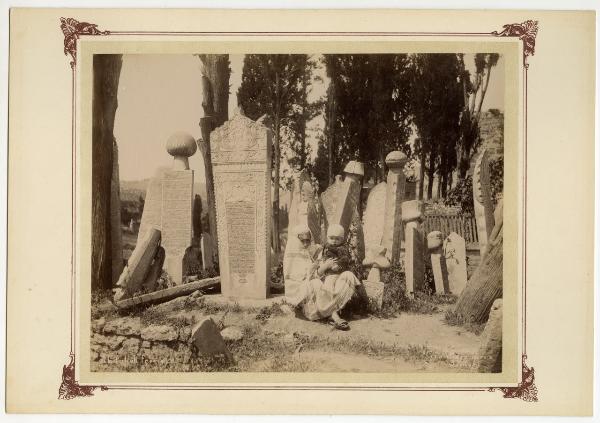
<point>275,338</point>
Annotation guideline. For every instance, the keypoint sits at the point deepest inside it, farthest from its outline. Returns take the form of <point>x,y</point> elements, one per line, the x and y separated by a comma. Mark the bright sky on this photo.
<point>161,94</point>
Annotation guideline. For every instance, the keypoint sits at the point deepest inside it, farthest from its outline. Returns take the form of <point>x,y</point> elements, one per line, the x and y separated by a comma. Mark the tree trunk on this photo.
<point>485,286</point>
<point>107,68</point>
<point>277,160</point>
<point>305,115</point>
<point>421,175</point>
<point>331,140</point>
<point>215,102</point>
<point>216,69</point>
<point>430,175</point>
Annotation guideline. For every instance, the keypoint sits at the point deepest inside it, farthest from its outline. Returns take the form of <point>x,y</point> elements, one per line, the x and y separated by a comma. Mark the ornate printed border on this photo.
<point>525,31</point>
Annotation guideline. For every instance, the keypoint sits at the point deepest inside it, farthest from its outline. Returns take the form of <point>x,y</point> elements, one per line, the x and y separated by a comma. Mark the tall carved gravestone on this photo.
<point>241,160</point>
<point>456,261</point>
<point>412,215</point>
<point>392,232</point>
<point>177,205</point>
<point>482,199</point>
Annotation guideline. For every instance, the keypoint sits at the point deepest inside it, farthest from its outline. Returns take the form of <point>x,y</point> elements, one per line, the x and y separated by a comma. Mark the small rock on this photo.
<point>131,345</point>
<point>98,324</point>
<point>159,333</point>
<point>126,326</point>
<point>146,344</point>
<point>184,334</point>
<point>112,342</point>
<point>232,333</point>
<point>286,309</point>
<point>208,341</point>
<point>289,339</point>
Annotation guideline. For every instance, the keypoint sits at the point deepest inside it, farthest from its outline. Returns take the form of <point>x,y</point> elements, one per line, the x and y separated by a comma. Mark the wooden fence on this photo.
<point>463,225</point>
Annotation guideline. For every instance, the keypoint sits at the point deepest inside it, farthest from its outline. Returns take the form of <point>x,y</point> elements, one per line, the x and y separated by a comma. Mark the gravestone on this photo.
<point>374,215</point>
<point>115,219</point>
<point>482,199</point>
<point>138,266</point>
<point>392,232</point>
<point>304,208</point>
<point>152,213</point>
<point>438,262</point>
<point>177,205</point>
<point>241,159</point>
<point>456,261</point>
<point>206,251</point>
<point>414,246</point>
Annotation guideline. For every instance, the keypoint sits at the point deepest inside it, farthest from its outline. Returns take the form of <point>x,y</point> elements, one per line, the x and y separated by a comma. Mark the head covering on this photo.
<point>335,230</point>
<point>302,232</point>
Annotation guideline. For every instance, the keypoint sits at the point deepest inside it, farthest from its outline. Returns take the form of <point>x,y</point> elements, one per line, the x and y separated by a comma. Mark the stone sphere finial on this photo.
<point>395,159</point>
<point>181,145</point>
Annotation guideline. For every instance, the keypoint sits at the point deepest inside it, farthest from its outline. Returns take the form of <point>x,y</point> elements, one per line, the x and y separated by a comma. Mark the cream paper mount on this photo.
<point>74,30</point>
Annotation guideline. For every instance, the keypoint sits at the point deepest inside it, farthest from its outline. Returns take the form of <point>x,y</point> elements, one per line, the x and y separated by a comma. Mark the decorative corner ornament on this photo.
<point>69,388</point>
<point>526,390</point>
<point>526,31</point>
<point>72,30</point>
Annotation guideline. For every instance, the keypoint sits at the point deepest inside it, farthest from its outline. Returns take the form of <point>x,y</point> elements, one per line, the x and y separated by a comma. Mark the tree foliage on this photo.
<point>474,90</point>
<point>367,113</point>
<point>436,105</point>
<point>276,85</point>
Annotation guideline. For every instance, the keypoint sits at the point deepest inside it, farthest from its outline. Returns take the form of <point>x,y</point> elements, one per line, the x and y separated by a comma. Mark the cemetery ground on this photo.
<point>405,335</point>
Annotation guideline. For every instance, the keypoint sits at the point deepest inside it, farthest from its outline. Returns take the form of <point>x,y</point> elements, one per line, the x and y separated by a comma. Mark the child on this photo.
<point>336,257</point>
<point>337,282</point>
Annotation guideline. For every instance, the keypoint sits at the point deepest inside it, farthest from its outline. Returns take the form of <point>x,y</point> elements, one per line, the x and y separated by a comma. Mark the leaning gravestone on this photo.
<point>482,199</point>
<point>138,266</point>
<point>456,261</point>
<point>176,210</point>
<point>241,159</point>
<point>206,251</point>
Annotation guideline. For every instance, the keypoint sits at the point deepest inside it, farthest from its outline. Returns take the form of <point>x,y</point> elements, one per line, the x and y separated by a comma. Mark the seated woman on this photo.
<point>299,264</point>
<point>332,285</point>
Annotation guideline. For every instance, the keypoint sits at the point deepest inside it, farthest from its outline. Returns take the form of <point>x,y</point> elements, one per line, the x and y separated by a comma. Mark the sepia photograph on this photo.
<point>297,213</point>
<point>311,211</point>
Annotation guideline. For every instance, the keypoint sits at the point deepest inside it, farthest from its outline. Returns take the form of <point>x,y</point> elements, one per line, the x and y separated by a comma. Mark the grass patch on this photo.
<point>454,319</point>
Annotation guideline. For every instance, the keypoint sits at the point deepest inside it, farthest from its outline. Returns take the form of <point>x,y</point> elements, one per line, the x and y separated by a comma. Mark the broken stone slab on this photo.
<point>168,294</point>
<point>164,333</point>
<point>207,340</point>
<point>137,268</point>
<point>126,326</point>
